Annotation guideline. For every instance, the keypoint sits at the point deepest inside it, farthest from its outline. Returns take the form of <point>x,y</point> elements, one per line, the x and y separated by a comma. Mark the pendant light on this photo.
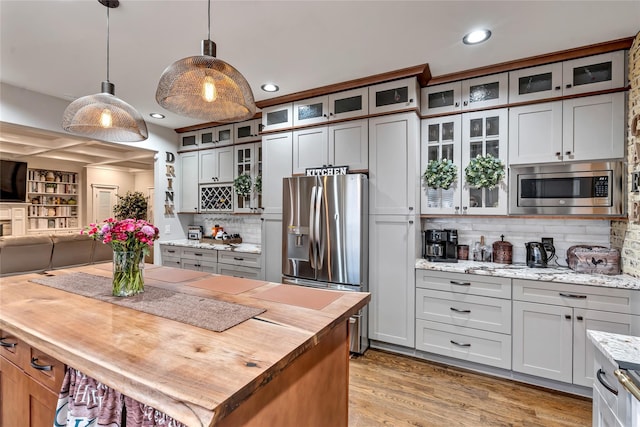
<point>103,115</point>
<point>205,87</point>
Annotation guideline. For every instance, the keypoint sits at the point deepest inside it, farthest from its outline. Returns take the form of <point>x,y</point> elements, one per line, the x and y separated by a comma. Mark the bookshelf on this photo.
<point>53,196</point>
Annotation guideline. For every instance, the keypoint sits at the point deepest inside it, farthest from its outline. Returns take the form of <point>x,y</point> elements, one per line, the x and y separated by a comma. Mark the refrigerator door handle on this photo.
<point>312,239</point>
<point>319,237</point>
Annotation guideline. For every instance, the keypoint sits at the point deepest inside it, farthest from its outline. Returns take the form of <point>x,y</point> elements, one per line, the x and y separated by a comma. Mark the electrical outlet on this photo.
<point>167,229</point>
<point>635,182</point>
<point>547,241</point>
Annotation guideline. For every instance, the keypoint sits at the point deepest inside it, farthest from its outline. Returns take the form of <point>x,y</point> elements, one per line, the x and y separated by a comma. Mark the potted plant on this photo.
<point>131,205</point>
<point>440,174</point>
<point>484,172</point>
<point>242,185</point>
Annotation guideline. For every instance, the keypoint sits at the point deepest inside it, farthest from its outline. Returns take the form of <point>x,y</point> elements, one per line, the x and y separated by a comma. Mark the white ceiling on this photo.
<point>58,47</point>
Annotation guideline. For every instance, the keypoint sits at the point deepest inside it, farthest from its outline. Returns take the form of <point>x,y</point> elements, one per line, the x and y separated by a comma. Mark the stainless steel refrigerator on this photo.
<point>325,238</point>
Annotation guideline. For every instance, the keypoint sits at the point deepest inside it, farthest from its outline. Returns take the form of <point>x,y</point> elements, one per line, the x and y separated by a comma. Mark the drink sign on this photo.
<point>327,171</point>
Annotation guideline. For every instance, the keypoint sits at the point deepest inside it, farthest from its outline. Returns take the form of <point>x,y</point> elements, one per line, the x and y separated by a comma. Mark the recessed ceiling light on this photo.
<point>476,37</point>
<point>157,115</point>
<point>269,87</point>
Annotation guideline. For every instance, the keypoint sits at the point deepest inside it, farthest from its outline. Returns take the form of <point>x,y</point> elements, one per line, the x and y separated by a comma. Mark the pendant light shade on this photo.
<point>103,115</point>
<point>206,88</point>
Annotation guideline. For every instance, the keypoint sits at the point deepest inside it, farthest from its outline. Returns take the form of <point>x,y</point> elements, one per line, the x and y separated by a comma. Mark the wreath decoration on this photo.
<point>484,172</point>
<point>242,185</point>
<point>257,187</point>
<point>440,174</point>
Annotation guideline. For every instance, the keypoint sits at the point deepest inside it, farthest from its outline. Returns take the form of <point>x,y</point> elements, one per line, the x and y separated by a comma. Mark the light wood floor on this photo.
<point>392,390</point>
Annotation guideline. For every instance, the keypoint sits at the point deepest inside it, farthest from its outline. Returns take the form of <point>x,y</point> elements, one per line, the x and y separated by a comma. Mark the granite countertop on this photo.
<point>621,350</point>
<point>253,248</point>
<point>521,271</point>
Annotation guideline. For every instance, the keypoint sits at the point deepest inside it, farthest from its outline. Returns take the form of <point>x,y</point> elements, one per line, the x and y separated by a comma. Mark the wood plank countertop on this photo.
<point>194,375</point>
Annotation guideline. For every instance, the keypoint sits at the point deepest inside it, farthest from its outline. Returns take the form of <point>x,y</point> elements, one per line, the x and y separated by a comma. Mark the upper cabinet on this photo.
<point>215,165</point>
<point>394,96</point>
<point>481,92</point>
<point>277,117</point>
<point>248,131</point>
<point>341,105</point>
<point>248,161</point>
<point>342,144</point>
<point>582,75</point>
<point>576,129</point>
<point>208,138</point>
<point>277,155</point>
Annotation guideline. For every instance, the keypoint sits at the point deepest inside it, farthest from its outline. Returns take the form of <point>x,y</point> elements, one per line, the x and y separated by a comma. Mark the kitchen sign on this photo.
<point>327,171</point>
<point>170,174</point>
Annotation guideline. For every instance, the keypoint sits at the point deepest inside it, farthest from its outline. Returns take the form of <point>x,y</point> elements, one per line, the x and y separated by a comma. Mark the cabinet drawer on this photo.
<point>239,271</point>
<point>484,347</point>
<point>199,265</point>
<point>472,284</point>
<point>12,348</point>
<point>582,296</point>
<point>200,254</point>
<point>239,258</point>
<point>170,251</point>
<point>489,314</point>
<point>44,369</point>
<point>603,374</point>
<point>171,261</point>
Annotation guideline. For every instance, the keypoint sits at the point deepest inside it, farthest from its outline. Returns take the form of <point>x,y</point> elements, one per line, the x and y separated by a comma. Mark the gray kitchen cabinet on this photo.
<point>464,316</point>
<point>199,259</point>
<point>441,138</point>
<point>577,129</point>
<point>189,192</point>
<point>271,234</point>
<point>277,157</point>
<point>215,165</point>
<point>393,247</point>
<point>480,92</point>
<point>396,95</point>
<point>218,136</point>
<point>394,163</point>
<point>335,106</point>
<point>576,76</point>
<point>343,144</point>
<point>277,117</point>
<point>240,264</point>
<point>170,255</point>
<point>248,161</point>
<point>550,322</point>
<point>485,132</point>
<point>247,131</point>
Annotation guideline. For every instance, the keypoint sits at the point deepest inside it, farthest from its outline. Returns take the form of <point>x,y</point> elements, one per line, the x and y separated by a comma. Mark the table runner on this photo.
<point>203,312</point>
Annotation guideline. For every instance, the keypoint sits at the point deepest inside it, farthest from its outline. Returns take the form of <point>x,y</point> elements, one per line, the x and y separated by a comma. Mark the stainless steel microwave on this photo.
<point>568,189</point>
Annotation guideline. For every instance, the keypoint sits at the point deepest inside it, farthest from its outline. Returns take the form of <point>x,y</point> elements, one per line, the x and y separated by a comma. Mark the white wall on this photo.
<point>27,108</point>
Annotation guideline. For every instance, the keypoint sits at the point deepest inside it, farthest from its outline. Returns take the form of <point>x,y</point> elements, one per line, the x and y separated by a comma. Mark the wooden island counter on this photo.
<point>285,367</point>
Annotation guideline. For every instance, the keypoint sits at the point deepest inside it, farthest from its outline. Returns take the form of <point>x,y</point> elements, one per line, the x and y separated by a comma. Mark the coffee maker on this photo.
<point>440,245</point>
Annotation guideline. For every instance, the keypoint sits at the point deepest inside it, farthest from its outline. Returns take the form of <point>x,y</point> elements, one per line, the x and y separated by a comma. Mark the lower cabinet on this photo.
<point>550,321</point>
<point>464,316</point>
<point>392,252</point>
<point>228,263</point>
<point>237,264</point>
<point>29,384</point>
<point>272,247</point>
<point>200,259</point>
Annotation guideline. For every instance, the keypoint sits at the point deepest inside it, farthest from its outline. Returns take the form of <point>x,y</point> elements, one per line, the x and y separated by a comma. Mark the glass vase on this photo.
<point>128,273</point>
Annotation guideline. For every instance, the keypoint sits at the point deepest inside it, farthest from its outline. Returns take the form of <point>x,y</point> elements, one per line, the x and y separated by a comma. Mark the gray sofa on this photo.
<point>38,253</point>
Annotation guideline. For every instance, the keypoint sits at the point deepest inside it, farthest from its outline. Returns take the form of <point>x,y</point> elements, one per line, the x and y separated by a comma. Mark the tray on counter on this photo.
<point>220,241</point>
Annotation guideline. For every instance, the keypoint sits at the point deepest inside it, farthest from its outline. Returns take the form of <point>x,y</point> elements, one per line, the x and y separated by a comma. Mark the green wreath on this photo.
<point>440,174</point>
<point>484,172</point>
<point>257,187</point>
<point>242,185</point>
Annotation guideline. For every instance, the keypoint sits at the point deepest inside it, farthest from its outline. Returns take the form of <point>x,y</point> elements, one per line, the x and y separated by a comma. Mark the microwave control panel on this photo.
<point>601,186</point>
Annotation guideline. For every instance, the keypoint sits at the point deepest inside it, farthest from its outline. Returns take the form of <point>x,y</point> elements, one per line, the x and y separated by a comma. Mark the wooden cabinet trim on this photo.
<point>563,55</point>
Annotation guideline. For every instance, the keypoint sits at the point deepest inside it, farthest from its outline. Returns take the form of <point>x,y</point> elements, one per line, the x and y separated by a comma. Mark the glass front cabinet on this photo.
<point>480,92</point>
<point>576,76</point>
<point>341,105</point>
<point>485,132</point>
<point>248,161</point>
<point>394,96</point>
<point>247,131</point>
<point>441,139</point>
<point>277,117</point>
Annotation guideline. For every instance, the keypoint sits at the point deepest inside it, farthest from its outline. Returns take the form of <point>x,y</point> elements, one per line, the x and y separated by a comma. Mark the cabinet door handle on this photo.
<point>457,310</point>
<point>558,87</point>
<point>171,252</point>
<point>567,316</point>
<point>563,294</point>
<point>568,153</point>
<point>39,367</point>
<point>580,318</point>
<point>457,104</point>
<point>568,86</point>
<point>410,221</point>
<point>198,254</point>
<point>455,282</point>
<point>7,344</point>
<point>238,258</point>
<point>601,374</point>
<point>459,344</point>
<point>558,154</point>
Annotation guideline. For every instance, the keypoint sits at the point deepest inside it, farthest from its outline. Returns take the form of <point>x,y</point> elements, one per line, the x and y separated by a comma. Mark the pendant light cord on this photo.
<point>108,43</point>
<point>209,21</point>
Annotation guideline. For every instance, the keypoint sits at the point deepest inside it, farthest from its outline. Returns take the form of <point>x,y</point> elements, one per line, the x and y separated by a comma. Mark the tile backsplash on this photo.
<point>248,226</point>
<point>518,231</point>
